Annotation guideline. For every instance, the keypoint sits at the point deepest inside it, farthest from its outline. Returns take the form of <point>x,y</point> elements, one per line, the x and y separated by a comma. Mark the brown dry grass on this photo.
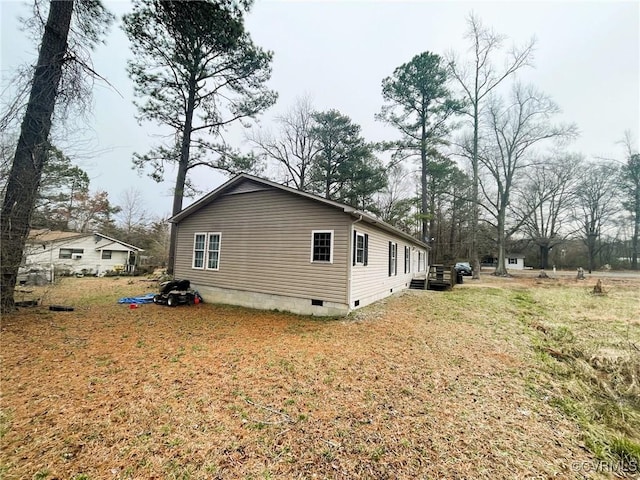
<point>422,385</point>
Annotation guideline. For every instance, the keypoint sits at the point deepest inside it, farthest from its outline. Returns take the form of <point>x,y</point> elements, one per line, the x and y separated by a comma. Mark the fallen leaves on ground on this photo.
<point>411,387</point>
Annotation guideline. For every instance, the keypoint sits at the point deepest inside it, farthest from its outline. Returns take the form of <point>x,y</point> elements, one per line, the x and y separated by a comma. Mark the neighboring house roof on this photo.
<point>45,236</point>
<point>113,240</point>
<point>237,180</point>
<point>515,255</point>
<point>52,236</point>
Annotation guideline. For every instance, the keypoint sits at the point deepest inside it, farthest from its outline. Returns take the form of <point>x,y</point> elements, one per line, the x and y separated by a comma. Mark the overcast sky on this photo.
<point>587,59</point>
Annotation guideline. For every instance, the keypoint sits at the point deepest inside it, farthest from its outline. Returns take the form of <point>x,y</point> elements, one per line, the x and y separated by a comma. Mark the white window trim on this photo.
<point>206,251</point>
<point>394,260</point>
<point>407,259</point>
<point>205,257</point>
<point>193,251</point>
<point>512,261</point>
<point>361,235</point>
<point>313,234</point>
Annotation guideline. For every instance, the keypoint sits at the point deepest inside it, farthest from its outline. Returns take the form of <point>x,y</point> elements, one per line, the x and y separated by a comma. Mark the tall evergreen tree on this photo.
<point>93,212</point>
<point>419,104</point>
<point>342,169</point>
<point>447,199</point>
<point>56,55</point>
<point>196,71</point>
<point>61,182</point>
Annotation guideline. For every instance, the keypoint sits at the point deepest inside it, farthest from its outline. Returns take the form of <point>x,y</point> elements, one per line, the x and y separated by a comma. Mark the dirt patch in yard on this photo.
<point>420,385</point>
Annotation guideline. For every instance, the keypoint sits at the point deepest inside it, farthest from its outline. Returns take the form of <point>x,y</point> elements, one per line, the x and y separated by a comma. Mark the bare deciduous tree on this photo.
<point>477,78</point>
<point>545,201</point>
<point>293,147</point>
<point>630,180</point>
<point>396,201</point>
<point>132,213</point>
<point>514,128</point>
<point>597,203</point>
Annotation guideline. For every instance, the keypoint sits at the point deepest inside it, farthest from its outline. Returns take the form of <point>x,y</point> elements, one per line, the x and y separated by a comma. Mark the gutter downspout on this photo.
<point>350,262</point>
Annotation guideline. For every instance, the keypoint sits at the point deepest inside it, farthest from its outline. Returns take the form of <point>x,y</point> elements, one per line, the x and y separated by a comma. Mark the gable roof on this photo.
<point>244,183</point>
<point>52,236</point>
<point>113,240</point>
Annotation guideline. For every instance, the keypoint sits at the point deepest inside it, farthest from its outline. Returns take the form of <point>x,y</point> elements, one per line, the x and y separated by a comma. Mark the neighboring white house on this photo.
<point>515,261</point>
<point>88,253</point>
<point>257,243</point>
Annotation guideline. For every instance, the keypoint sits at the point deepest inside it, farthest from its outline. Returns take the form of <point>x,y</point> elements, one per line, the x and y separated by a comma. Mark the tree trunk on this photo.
<point>544,256</point>
<point>501,268</point>
<point>591,250</point>
<point>424,204</point>
<point>433,233</point>
<point>183,167</point>
<point>475,193</point>
<point>452,231</point>
<point>32,148</point>
<point>636,231</point>
<point>327,185</point>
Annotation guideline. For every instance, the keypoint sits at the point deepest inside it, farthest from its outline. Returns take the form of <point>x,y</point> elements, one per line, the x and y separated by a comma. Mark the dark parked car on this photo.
<point>464,268</point>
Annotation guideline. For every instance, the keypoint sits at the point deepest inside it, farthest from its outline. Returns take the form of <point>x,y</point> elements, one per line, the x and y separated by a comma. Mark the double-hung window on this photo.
<point>206,251</point>
<point>360,248</point>
<point>513,261</point>
<point>393,258</point>
<point>322,246</point>
<point>407,259</point>
<point>213,251</point>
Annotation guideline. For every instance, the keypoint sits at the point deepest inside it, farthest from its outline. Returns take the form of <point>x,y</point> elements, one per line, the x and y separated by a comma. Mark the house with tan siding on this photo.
<point>256,243</point>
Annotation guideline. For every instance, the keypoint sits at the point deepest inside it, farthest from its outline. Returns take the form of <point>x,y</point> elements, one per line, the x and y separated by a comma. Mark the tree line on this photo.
<point>478,165</point>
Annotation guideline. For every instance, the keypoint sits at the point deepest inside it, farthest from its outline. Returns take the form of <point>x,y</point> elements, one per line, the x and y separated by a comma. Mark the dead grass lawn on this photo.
<point>423,385</point>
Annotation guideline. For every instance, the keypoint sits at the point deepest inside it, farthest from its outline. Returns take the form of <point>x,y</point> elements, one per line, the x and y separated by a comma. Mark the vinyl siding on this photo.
<point>266,245</point>
<point>92,261</point>
<point>372,281</point>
